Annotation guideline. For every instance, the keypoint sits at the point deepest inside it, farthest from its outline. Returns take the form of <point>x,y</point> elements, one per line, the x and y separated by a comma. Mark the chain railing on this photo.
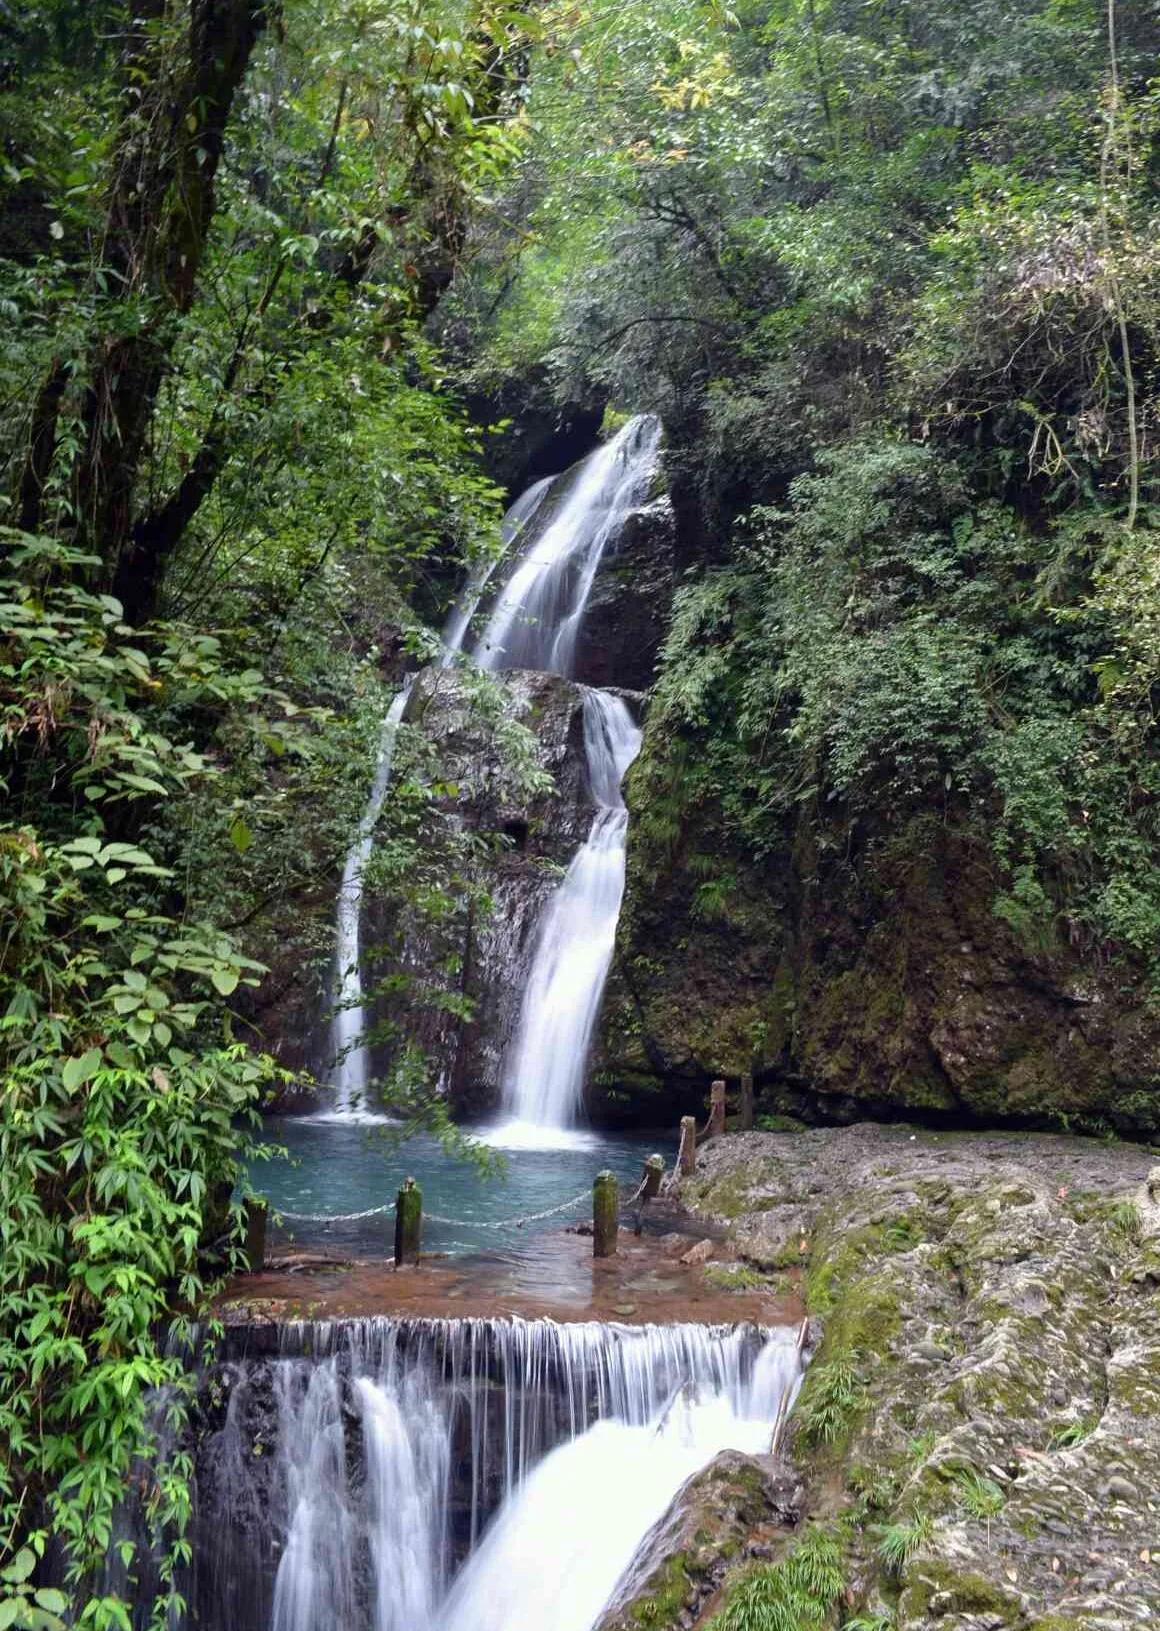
<point>435,1217</point>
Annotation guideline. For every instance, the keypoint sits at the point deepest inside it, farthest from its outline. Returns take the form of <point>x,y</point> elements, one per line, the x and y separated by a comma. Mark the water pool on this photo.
<point>337,1168</point>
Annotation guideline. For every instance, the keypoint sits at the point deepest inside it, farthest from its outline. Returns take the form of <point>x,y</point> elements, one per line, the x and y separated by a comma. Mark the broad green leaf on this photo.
<point>241,836</point>
<point>79,1070</point>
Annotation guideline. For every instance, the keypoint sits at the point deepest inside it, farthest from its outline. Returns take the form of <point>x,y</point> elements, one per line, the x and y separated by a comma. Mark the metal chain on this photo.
<point>331,1217</point>
<point>432,1217</point>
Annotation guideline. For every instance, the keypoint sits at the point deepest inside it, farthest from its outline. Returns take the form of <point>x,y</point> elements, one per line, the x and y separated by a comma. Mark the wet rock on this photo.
<point>628,611</point>
<point>872,989</point>
<point>737,1503</point>
<point>524,842</point>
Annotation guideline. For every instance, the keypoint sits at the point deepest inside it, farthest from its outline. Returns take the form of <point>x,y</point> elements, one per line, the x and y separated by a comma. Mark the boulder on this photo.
<point>736,1503</point>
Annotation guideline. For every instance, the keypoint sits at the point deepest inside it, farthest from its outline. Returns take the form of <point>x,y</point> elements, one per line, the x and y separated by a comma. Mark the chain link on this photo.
<point>434,1217</point>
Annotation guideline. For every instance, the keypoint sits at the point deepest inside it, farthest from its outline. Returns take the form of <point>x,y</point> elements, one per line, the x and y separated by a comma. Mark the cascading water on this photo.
<point>544,1078</point>
<point>350,1071</point>
<point>537,614</point>
<point>463,1475</point>
<point>534,624</point>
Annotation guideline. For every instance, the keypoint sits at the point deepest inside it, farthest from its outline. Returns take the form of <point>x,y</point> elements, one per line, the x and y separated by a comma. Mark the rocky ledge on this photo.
<point>979,1430</point>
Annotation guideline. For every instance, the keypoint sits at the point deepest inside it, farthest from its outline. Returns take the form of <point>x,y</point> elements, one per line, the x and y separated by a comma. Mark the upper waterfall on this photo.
<point>351,1067</point>
<point>537,615</point>
<point>554,536</point>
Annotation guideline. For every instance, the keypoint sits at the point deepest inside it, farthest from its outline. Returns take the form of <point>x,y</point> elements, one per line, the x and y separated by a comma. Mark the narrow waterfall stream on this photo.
<point>462,1475</point>
<point>534,623</point>
<point>350,1070</point>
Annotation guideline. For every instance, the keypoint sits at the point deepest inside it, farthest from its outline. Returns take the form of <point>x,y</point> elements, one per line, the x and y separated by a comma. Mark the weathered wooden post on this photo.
<point>687,1154</point>
<point>716,1110</point>
<point>605,1214</point>
<point>649,1186</point>
<point>256,1215</point>
<point>408,1223</point>
<point>745,1105</point>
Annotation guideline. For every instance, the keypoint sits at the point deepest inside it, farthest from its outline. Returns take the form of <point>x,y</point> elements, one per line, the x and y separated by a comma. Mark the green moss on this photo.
<point>780,1124</point>
<point>662,1605</point>
<point>959,1592</point>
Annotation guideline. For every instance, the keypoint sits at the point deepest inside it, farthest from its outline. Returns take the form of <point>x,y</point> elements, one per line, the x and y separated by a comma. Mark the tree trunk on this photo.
<point>183,66</point>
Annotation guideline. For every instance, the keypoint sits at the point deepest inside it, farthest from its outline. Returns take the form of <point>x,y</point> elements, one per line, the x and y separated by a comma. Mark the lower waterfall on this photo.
<point>544,1079</point>
<point>461,1475</point>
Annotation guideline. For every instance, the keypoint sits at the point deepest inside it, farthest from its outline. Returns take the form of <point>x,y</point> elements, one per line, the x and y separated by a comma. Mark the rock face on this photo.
<point>980,1427</point>
<point>521,843</point>
<point>740,1506</point>
<point>882,984</point>
<point>628,610</point>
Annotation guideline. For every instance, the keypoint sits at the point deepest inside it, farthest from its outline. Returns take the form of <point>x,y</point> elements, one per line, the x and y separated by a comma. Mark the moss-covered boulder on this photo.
<point>980,1424</point>
<point>739,1506</point>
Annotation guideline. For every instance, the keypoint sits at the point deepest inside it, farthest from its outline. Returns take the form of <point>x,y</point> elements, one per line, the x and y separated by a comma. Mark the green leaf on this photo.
<point>9,1609</point>
<point>241,837</point>
<point>78,1070</point>
<point>225,980</point>
<point>83,846</point>
<point>53,1601</point>
<point>21,1567</point>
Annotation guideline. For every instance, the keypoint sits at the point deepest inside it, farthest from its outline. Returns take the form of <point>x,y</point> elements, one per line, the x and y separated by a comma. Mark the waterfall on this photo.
<point>445,1475</point>
<point>350,1072</point>
<point>544,1078</point>
<point>534,624</point>
<point>537,614</point>
<point>352,1059</point>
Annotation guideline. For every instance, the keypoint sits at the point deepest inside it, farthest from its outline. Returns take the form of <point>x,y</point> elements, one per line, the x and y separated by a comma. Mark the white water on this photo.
<point>350,1072</point>
<point>571,1439</point>
<point>544,1078</point>
<point>350,1052</point>
<point>537,615</point>
<point>556,1553</point>
<point>535,624</point>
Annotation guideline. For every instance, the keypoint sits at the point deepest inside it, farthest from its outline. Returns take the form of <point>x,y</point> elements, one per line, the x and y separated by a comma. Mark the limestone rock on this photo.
<point>1017,1470</point>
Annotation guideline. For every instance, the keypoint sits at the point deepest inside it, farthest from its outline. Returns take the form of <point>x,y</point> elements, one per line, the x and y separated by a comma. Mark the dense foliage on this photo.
<point>233,492</point>
<point>888,271</point>
<point>889,274</point>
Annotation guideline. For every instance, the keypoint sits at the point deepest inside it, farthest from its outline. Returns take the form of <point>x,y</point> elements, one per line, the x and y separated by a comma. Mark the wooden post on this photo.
<point>649,1186</point>
<point>687,1154</point>
<point>716,1110</point>
<point>256,1215</point>
<point>745,1106</point>
<point>605,1214</point>
<point>408,1223</point>
<point>654,1171</point>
